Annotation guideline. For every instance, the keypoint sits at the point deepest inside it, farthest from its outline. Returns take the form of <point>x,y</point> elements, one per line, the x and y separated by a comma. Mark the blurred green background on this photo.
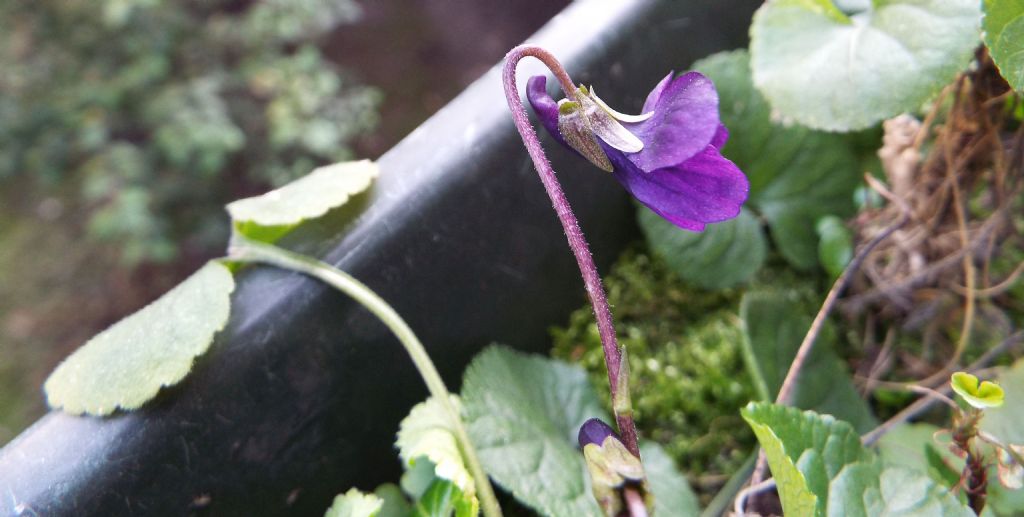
<point>125,125</point>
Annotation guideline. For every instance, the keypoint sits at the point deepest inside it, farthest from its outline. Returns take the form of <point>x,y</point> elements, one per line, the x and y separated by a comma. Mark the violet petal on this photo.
<point>545,107</point>
<point>652,98</point>
<point>707,188</point>
<point>685,121</point>
<point>720,137</point>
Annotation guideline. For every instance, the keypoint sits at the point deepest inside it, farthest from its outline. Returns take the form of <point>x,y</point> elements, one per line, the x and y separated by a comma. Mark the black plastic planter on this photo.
<point>300,396</point>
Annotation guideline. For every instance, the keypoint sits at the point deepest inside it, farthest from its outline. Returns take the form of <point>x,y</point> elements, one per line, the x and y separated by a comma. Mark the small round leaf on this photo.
<point>984,395</point>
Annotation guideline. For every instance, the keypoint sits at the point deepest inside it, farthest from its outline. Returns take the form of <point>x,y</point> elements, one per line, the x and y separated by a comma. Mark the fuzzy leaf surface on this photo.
<point>125,366</point>
<point>270,216</point>
<point>828,70</point>
<point>523,414</point>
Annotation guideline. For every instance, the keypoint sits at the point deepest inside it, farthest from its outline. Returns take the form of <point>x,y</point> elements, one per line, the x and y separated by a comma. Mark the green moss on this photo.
<point>688,377</point>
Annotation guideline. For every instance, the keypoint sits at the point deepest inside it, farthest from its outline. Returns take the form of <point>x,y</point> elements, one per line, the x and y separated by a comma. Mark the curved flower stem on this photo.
<point>591,279</point>
<point>245,250</point>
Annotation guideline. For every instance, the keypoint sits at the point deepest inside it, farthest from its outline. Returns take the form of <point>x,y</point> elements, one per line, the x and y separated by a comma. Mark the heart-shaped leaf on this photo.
<point>840,71</point>
<point>127,364</point>
<point>980,395</point>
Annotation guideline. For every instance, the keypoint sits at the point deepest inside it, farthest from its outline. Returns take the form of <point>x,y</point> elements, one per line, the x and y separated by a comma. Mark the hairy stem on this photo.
<point>580,249</point>
<point>245,250</point>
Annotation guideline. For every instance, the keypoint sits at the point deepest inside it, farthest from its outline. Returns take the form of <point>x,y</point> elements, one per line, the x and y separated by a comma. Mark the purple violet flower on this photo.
<point>669,158</point>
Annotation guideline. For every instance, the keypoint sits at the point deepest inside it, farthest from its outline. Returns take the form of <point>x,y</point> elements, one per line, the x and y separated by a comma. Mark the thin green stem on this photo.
<point>245,250</point>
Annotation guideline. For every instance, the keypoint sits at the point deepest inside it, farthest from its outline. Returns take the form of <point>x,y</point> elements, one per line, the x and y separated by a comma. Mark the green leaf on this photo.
<point>355,504</point>
<point>723,255</point>
<point>775,324</point>
<point>443,499</point>
<point>1007,424</point>
<point>835,247</point>
<point>796,175</point>
<point>428,432</point>
<point>805,451</point>
<point>672,494</point>
<point>127,364</point>
<point>830,71</point>
<point>270,216</point>
<point>869,488</point>
<point>821,469</point>
<point>523,414</point>
<point>394,501</point>
<point>418,477</point>
<point>981,395</point>
<point>913,446</point>
<point>1003,26</point>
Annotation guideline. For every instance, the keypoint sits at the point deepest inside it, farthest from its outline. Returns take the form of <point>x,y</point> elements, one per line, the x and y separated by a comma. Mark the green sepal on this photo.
<point>613,468</point>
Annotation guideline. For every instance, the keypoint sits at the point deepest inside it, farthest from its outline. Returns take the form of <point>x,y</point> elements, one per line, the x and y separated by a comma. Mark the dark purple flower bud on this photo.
<point>595,431</point>
<point>680,172</point>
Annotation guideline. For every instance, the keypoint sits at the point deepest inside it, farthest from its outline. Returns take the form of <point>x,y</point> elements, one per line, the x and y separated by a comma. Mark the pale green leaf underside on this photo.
<point>523,414</point>
<point>1004,35</point>
<point>796,175</point>
<point>723,255</point>
<point>845,73</point>
<point>355,504</point>
<point>269,216</point>
<point>127,364</point>
<point>428,432</point>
